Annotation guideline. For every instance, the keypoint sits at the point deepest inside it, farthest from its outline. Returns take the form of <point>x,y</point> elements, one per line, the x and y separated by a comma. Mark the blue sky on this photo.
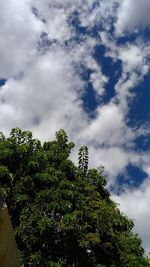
<point>84,66</point>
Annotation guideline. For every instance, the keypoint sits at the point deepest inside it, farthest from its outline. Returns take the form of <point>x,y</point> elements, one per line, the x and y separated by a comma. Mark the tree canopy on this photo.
<point>63,214</point>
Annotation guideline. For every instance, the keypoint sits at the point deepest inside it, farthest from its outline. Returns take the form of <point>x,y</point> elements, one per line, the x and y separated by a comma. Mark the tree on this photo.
<point>83,159</point>
<point>63,214</point>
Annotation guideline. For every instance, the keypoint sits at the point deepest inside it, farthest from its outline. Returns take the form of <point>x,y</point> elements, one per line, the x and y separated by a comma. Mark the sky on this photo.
<point>84,66</point>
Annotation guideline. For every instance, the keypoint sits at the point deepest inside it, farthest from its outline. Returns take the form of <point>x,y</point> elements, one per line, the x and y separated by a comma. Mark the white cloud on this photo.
<point>97,78</point>
<point>114,159</point>
<point>131,57</point>
<point>132,16</point>
<point>108,128</point>
<point>19,33</point>
<point>46,91</point>
<point>136,204</point>
<point>134,60</point>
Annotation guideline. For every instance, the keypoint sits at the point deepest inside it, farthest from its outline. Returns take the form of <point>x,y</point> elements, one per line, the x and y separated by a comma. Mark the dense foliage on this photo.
<point>62,214</point>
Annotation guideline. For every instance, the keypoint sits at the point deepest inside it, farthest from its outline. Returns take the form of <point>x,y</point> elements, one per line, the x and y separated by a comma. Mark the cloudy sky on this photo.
<point>84,66</point>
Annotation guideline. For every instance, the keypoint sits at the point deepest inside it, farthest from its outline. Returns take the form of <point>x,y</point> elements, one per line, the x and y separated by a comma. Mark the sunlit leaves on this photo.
<point>62,214</point>
<point>83,159</point>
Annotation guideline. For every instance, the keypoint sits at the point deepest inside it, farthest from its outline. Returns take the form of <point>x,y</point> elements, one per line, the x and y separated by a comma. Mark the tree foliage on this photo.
<point>63,214</point>
<point>83,159</point>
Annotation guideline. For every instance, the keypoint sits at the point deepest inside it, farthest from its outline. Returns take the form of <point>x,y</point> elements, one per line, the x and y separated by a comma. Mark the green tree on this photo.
<point>83,159</point>
<point>63,214</point>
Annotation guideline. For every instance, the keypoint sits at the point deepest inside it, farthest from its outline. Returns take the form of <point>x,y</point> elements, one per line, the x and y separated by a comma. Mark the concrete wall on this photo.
<point>9,256</point>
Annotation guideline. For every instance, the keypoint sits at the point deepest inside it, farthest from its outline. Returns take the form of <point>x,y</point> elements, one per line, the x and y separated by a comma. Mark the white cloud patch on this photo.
<point>19,33</point>
<point>136,204</point>
<point>108,128</point>
<point>46,91</point>
<point>134,59</point>
<point>113,159</point>
<point>132,16</point>
<point>131,56</point>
